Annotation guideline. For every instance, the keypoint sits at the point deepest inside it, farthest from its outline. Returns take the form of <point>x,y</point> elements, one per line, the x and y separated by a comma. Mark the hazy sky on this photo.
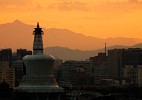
<point>99,18</point>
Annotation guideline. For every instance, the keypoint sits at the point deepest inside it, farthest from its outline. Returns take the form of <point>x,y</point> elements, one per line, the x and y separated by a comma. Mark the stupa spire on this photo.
<point>38,44</point>
<point>37,24</point>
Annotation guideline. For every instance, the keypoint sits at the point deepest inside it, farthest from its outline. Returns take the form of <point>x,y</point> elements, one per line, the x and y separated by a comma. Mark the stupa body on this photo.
<point>39,82</point>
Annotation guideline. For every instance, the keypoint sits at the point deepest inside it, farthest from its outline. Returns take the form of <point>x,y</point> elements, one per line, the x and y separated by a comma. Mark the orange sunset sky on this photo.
<point>99,18</point>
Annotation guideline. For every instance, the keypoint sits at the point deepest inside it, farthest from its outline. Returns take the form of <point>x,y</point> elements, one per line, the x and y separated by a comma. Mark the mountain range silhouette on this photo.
<point>19,35</point>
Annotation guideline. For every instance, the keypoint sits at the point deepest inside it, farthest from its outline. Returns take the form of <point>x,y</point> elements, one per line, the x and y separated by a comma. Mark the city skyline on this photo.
<point>98,18</point>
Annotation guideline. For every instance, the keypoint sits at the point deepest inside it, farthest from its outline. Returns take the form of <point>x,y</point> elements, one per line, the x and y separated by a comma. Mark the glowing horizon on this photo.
<point>97,18</point>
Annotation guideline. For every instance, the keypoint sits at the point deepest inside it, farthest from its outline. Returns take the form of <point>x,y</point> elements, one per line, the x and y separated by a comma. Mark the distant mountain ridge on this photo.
<point>19,35</point>
<point>70,54</point>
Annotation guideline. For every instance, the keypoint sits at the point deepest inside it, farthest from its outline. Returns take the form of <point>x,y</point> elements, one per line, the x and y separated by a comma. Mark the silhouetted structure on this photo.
<point>39,82</point>
<point>5,91</point>
<point>6,55</point>
<point>118,58</point>
<point>75,73</point>
<point>7,73</point>
<point>19,71</point>
<point>18,65</point>
<point>125,63</point>
<point>22,52</point>
<point>98,60</point>
<point>38,44</point>
<point>99,68</point>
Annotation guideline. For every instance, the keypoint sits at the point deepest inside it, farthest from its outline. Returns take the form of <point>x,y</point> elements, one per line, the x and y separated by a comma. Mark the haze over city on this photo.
<point>97,18</point>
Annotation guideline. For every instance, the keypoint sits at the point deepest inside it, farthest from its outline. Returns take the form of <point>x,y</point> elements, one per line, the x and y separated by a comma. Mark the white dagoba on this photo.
<point>39,69</point>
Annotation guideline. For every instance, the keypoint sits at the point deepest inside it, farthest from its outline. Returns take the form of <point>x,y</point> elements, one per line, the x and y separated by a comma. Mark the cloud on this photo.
<point>133,1</point>
<point>14,2</point>
<point>105,7</point>
<point>118,7</point>
<point>69,5</point>
<point>20,6</point>
<point>117,11</point>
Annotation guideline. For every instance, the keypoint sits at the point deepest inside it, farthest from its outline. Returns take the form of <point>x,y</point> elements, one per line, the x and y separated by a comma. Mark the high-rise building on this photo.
<point>57,63</point>
<point>133,74</point>
<point>74,71</point>
<point>17,64</point>
<point>7,74</point>
<point>99,59</point>
<point>22,52</point>
<point>139,75</point>
<point>118,58</point>
<point>99,68</point>
<point>19,71</point>
<point>6,55</point>
<point>130,73</point>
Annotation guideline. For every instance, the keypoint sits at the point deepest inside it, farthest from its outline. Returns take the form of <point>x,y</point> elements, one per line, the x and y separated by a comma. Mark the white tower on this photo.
<point>38,44</point>
<point>39,81</point>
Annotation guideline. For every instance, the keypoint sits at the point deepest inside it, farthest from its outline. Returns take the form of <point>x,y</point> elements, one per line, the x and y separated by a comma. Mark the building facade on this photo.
<point>99,68</point>
<point>23,52</point>
<point>133,74</point>
<point>76,73</point>
<point>7,74</point>
<point>118,58</point>
<point>6,55</point>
